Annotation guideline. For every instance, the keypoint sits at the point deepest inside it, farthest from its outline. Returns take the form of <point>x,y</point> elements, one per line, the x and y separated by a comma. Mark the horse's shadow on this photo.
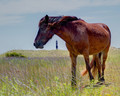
<point>99,84</point>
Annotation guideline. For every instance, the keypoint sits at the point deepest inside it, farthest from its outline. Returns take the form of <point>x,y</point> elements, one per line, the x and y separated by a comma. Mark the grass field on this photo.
<point>48,73</point>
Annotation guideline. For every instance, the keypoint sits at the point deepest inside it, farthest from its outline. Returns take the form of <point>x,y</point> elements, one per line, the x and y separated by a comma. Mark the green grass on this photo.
<point>14,54</point>
<point>48,73</point>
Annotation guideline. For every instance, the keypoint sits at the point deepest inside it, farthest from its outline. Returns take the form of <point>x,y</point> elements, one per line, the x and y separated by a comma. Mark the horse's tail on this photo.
<point>84,72</point>
<point>93,66</point>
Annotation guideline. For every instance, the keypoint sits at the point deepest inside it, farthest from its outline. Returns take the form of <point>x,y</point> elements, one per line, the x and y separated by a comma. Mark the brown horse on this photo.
<point>81,38</point>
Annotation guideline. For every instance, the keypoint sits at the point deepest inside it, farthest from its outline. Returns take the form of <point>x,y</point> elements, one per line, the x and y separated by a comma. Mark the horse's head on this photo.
<point>48,26</point>
<point>43,35</point>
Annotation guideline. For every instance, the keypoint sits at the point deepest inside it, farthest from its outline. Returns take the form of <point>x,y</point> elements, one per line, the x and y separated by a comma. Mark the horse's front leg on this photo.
<point>86,57</point>
<point>73,69</point>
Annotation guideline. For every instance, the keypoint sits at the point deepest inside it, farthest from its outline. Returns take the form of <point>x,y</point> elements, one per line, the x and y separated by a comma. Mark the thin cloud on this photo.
<point>4,20</point>
<point>22,7</point>
<point>33,6</point>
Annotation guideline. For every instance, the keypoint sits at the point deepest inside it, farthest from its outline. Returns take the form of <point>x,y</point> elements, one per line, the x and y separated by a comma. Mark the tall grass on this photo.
<point>50,75</point>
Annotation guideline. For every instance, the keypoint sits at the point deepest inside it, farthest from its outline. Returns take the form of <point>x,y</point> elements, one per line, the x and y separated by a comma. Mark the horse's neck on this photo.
<point>66,35</point>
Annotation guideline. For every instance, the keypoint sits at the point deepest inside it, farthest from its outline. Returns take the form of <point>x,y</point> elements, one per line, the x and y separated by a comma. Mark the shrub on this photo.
<point>14,54</point>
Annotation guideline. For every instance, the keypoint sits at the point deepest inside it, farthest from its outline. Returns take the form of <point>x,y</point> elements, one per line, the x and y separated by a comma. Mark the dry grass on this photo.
<point>48,73</point>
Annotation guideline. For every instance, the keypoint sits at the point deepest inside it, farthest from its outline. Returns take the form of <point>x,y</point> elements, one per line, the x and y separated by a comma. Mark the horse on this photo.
<point>81,38</point>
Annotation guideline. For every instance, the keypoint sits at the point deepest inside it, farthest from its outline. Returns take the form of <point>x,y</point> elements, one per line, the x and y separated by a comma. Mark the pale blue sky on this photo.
<point>19,19</point>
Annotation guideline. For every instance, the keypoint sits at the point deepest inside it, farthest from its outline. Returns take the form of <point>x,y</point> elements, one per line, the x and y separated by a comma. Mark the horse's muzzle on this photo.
<point>38,45</point>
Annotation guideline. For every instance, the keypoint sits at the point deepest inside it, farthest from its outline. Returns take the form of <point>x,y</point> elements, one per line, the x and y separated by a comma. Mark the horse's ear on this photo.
<point>46,19</point>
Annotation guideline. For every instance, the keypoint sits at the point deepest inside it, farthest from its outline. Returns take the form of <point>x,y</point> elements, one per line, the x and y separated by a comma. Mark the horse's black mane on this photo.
<point>64,19</point>
<point>54,19</point>
<point>67,19</point>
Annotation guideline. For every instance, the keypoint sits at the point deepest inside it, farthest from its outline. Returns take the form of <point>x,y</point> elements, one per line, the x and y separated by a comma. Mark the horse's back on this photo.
<point>98,30</point>
<point>88,37</point>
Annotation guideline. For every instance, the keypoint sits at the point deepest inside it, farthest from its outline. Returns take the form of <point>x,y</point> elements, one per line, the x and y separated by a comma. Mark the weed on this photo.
<point>50,75</point>
<point>14,54</point>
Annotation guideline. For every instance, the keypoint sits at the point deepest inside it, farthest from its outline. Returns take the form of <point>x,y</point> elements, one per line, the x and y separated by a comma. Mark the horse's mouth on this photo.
<point>41,47</point>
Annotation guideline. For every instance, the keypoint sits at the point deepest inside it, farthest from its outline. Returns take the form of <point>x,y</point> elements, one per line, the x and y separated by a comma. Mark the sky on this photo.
<point>19,20</point>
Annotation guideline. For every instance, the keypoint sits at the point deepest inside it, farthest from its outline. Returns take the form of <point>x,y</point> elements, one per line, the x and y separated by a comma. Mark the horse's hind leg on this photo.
<point>99,66</point>
<point>103,66</point>
<point>105,54</point>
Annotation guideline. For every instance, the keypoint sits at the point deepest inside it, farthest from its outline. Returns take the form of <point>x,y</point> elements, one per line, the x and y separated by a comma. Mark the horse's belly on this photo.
<point>95,50</point>
<point>98,46</point>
